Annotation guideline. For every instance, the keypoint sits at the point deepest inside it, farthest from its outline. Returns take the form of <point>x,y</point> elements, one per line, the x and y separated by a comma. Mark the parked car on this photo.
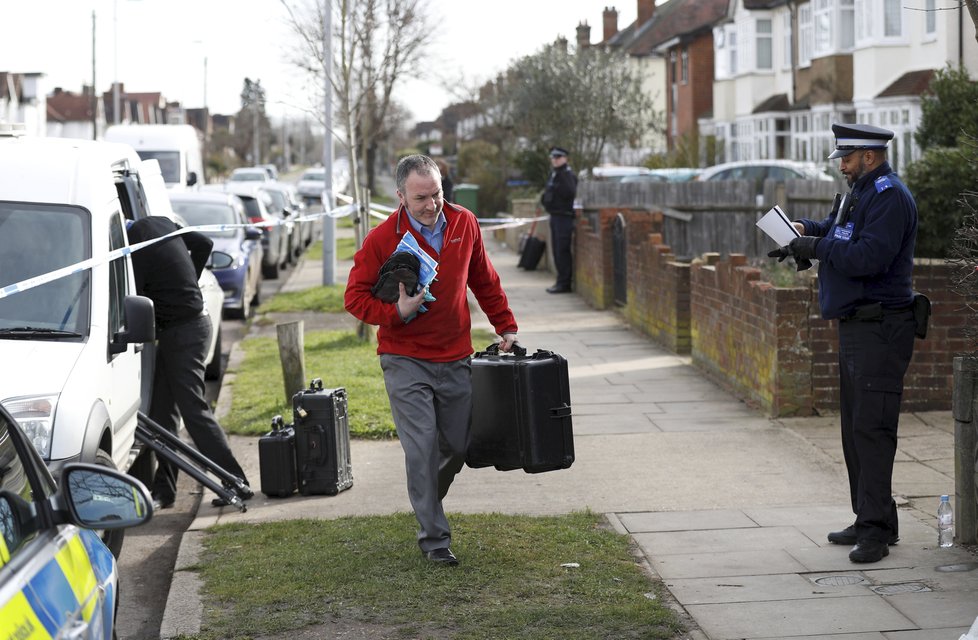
<point>210,288</point>
<point>611,173</point>
<point>761,170</point>
<point>57,578</point>
<point>271,170</point>
<point>281,208</point>
<point>241,279</point>
<point>258,204</point>
<point>311,184</point>
<point>62,203</point>
<point>249,174</point>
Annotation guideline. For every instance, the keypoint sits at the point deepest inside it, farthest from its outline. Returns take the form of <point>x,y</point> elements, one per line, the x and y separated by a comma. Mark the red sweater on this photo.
<point>444,332</point>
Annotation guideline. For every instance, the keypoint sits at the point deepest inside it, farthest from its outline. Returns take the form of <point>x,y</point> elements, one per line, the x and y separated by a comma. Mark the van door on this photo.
<point>125,367</point>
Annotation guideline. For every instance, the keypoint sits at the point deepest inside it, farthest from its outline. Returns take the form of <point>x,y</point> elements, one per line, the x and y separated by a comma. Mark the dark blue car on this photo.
<point>241,281</point>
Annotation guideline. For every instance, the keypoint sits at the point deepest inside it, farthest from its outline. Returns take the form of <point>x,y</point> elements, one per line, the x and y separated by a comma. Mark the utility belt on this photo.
<point>876,312</point>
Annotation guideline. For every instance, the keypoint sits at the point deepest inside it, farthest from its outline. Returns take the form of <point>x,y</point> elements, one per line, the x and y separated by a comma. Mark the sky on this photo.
<point>192,50</point>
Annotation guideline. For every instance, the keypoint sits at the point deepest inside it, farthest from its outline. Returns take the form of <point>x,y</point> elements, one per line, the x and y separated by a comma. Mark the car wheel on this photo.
<point>270,271</point>
<point>112,539</point>
<point>215,366</point>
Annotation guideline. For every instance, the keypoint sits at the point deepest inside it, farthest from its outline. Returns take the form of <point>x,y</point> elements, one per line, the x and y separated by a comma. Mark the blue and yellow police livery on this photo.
<point>57,578</point>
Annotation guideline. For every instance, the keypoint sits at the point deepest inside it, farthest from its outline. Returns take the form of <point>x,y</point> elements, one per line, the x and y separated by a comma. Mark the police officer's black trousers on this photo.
<point>562,238</point>
<point>873,358</point>
<point>178,390</point>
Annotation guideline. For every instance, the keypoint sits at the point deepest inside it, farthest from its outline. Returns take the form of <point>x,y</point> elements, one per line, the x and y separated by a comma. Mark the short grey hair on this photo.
<point>416,163</point>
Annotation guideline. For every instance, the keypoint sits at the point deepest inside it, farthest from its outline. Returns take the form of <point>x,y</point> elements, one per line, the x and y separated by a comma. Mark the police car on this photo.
<point>57,578</point>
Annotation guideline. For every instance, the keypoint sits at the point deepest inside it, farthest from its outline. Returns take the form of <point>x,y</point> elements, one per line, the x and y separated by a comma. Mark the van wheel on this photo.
<point>112,539</point>
<point>215,366</point>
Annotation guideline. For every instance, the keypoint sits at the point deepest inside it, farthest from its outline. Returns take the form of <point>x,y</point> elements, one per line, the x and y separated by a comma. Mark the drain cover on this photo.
<point>900,587</point>
<point>839,581</point>
<point>950,568</point>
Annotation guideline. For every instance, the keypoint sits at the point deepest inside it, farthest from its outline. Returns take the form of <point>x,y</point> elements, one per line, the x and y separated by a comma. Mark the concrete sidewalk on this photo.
<point>730,509</point>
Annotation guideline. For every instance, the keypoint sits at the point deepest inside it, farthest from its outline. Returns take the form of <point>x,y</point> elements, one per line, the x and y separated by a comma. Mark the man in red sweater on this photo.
<point>425,353</point>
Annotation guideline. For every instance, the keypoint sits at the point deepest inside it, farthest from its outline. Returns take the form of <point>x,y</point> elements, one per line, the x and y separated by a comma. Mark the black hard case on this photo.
<point>322,440</point>
<point>521,412</point>
<point>276,460</point>
<point>531,253</point>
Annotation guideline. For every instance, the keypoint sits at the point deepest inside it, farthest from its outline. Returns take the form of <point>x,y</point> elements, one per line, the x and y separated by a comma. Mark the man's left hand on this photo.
<point>508,340</point>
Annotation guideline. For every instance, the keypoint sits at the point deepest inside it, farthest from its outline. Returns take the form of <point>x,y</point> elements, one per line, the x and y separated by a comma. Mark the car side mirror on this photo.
<point>96,497</point>
<point>220,259</point>
<point>191,178</point>
<point>252,233</point>
<point>140,324</point>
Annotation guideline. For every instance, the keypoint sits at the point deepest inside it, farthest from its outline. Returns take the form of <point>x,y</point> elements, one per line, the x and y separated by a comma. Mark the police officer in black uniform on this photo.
<point>865,253</point>
<point>558,201</point>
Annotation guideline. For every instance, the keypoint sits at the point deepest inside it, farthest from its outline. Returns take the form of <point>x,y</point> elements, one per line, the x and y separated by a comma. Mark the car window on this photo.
<point>203,213</point>
<point>36,239</point>
<point>277,198</point>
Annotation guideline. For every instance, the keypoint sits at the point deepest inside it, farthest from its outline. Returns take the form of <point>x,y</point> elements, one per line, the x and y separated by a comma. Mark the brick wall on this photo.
<point>751,335</point>
<point>658,293</point>
<point>929,380</point>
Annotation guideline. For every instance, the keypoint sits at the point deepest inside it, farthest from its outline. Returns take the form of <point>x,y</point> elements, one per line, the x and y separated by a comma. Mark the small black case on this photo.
<point>276,460</point>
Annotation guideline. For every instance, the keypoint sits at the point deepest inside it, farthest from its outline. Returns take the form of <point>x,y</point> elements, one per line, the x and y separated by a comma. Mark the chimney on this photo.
<point>610,22</point>
<point>583,36</point>
<point>561,44</point>
<point>645,10</point>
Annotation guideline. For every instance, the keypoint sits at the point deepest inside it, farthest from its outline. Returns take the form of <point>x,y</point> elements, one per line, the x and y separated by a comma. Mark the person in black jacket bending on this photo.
<point>558,201</point>
<point>167,273</point>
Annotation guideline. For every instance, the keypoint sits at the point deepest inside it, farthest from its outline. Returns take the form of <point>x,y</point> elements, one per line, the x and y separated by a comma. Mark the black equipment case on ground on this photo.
<point>521,413</point>
<point>531,250</point>
<point>322,440</point>
<point>276,460</point>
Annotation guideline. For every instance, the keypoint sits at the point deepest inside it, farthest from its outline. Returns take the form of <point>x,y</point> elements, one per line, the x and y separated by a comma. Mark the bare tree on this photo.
<point>379,43</point>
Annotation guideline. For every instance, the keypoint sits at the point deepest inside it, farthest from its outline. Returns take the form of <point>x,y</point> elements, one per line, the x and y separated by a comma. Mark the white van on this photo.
<point>175,146</point>
<point>77,339</point>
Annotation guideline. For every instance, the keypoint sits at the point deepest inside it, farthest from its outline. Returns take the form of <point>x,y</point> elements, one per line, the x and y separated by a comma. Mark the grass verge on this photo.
<point>338,357</point>
<point>274,578</point>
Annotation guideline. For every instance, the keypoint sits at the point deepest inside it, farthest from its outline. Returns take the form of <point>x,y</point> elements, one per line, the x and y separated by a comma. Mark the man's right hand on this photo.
<point>407,306</point>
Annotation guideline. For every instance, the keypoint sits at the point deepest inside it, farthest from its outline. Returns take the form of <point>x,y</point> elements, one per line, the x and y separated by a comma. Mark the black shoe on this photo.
<point>869,551</point>
<point>441,556</point>
<point>159,505</point>
<point>556,289</point>
<point>848,536</point>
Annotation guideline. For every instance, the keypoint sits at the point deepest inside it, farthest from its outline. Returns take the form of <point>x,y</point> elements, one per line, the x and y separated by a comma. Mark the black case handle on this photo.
<point>316,384</point>
<point>493,349</point>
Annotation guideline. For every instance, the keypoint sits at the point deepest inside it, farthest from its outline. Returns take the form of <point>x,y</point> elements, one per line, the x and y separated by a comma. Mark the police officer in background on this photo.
<point>558,201</point>
<point>865,253</point>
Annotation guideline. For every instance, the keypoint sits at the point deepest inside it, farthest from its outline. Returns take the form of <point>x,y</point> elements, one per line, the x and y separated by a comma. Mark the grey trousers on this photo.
<point>432,405</point>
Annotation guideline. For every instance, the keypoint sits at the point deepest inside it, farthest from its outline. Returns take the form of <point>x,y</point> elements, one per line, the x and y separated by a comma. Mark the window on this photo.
<point>118,278</point>
<point>684,66</point>
<point>765,45</point>
<point>672,67</point>
<point>931,21</point>
<point>834,26</point>
<point>806,37</point>
<point>732,48</point>
<point>892,19</point>
<point>786,34</point>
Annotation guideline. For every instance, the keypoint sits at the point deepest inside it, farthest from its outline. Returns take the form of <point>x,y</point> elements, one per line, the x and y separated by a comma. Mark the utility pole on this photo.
<point>115,63</point>
<point>94,94</point>
<point>329,222</point>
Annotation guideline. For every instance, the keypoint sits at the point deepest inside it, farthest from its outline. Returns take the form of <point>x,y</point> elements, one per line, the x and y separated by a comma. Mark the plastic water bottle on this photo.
<point>945,523</point>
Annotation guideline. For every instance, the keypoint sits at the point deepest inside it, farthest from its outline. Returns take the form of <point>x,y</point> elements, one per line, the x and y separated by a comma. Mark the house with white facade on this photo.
<point>22,100</point>
<point>786,70</point>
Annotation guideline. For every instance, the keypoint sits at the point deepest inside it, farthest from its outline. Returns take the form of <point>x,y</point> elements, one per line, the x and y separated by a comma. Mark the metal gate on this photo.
<point>619,258</point>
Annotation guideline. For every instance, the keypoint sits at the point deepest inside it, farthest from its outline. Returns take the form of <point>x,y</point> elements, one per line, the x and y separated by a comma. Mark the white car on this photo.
<point>762,170</point>
<point>250,174</point>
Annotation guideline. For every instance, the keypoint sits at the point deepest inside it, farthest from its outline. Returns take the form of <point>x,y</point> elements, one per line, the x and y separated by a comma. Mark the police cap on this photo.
<point>556,152</point>
<point>853,137</point>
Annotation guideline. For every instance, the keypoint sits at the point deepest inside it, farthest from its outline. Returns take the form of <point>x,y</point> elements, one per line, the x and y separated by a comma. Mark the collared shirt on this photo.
<point>434,238</point>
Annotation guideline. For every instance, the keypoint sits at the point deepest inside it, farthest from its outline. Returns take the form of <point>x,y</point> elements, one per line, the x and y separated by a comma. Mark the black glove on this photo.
<point>804,247</point>
<point>402,266</point>
<point>781,253</point>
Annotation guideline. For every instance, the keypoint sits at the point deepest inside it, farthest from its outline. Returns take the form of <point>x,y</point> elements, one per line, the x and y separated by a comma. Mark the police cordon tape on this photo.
<point>376,210</point>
